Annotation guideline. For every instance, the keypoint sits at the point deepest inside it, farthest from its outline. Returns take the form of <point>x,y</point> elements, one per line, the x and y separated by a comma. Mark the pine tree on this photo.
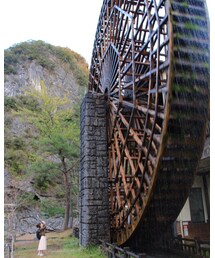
<point>56,130</point>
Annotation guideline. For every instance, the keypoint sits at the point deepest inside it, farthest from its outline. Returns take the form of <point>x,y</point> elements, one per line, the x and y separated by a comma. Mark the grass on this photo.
<point>59,245</point>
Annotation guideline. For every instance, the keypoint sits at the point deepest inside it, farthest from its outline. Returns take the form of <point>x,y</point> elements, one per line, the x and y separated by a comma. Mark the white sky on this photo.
<point>66,23</point>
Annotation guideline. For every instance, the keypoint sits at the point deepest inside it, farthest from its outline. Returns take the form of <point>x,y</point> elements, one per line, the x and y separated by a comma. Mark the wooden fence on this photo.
<point>193,247</point>
<point>113,251</point>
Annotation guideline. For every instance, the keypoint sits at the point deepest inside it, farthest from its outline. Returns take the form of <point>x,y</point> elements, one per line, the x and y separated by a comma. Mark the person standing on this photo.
<point>42,243</point>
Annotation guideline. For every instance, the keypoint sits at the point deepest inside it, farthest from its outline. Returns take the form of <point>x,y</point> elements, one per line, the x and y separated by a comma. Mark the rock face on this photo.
<point>21,218</point>
<point>29,65</point>
<point>59,81</point>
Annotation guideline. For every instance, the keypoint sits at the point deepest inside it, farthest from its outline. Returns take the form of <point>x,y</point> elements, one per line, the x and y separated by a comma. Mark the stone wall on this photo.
<point>94,204</point>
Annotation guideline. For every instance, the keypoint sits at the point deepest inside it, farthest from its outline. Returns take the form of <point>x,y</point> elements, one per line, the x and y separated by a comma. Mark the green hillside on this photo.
<point>44,86</point>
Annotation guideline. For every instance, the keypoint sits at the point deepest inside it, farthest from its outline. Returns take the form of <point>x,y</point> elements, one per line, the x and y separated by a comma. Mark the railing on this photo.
<point>194,247</point>
<point>113,251</point>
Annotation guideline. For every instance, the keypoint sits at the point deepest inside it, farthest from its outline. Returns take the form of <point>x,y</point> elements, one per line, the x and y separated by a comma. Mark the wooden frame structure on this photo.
<point>150,59</point>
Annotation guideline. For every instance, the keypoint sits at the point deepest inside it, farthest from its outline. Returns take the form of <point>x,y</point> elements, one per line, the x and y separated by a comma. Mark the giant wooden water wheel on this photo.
<point>151,61</point>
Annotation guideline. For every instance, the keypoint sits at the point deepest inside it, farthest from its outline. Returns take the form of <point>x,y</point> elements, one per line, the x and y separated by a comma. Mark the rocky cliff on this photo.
<point>64,72</point>
<point>29,63</point>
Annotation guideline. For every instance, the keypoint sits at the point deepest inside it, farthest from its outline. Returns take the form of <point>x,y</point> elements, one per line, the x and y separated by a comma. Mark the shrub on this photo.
<point>10,103</point>
<point>51,209</point>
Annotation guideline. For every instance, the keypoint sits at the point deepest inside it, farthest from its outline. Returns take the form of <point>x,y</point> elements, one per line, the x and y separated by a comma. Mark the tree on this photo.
<point>56,130</point>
